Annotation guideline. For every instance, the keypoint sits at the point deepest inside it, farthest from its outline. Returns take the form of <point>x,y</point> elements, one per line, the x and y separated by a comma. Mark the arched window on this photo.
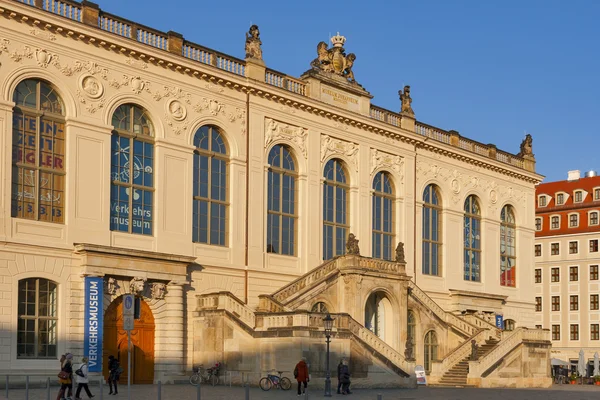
<point>132,171</point>
<point>432,231</point>
<point>37,318</point>
<point>281,202</point>
<point>472,250</point>
<point>335,209</point>
<point>319,307</point>
<point>210,205</point>
<point>383,216</point>
<point>509,325</point>
<point>411,331</point>
<point>38,160</point>
<point>431,350</point>
<point>508,254</point>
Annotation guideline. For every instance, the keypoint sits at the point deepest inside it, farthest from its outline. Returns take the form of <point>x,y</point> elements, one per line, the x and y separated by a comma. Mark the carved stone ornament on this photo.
<point>352,245</point>
<point>406,101</point>
<point>400,253</point>
<point>176,110</point>
<point>110,286</point>
<point>331,146</point>
<point>43,57</point>
<point>335,60</point>
<point>526,146</point>
<point>212,106</point>
<point>276,130</point>
<point>91,86</point>
<point>158,290</point>
<point>253,43</point>
<point>409,350</point>
<point>380,159</point>
<point>137,285</point>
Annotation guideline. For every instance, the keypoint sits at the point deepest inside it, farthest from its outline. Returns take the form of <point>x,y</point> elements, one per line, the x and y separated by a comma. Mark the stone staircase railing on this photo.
<point>285,293</point>
<point>457,355</point>
<point>479,367</point>
<point>228,302</point>
<point>483,324</point>
<point>463,326</point>
<point>267,303</point>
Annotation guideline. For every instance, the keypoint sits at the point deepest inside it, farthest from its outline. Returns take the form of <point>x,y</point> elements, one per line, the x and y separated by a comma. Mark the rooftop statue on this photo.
<point>253,43</point>
<point>335,60</point>
<point>526,146</point>
<point>406,101</point>
<point>352,245</point>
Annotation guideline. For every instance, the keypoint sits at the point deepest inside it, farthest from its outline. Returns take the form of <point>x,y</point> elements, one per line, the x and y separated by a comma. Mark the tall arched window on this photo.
<point>281,202</point>
<point>431,350</point>
<point>383,216</point>
<point>508,254</point>
<point>432,231</point>
<point>38,160</point>
<point>335,209</point>
<point>411,330</point>
<point>472,250</point>
<point>132,171</point>
<point>210,205</point>
<point>37,318</point>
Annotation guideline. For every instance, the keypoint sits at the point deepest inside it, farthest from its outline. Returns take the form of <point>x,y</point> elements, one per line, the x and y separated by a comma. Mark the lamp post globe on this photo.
<point>328,327</point>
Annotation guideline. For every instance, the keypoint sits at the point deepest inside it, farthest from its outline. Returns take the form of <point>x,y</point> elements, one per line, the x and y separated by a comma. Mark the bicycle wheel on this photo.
<point>285,383</point>
<point>265,384</point>
<point>195,379</point>
<point>214,380</point>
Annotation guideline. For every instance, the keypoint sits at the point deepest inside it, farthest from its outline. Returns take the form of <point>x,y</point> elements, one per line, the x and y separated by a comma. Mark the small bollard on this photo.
<point>379,396</point>
<point>47,388</point>
<point>247,391</point>
<point>159,389</point>
<point>6,386</point>
<point>27,387</point>
<point>101,387</point>
<point>198,392</point>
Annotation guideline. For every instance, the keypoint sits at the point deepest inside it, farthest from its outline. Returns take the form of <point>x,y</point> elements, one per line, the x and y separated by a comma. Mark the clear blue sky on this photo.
<point>491,70</point>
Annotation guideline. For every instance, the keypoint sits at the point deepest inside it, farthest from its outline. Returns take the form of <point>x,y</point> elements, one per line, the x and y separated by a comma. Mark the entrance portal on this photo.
<point>379,316</point>
<point>142,340</point>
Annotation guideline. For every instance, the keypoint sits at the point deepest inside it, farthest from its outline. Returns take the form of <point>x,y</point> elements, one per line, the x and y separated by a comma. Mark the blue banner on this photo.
<point>93,323</point>
<point>499,322</point>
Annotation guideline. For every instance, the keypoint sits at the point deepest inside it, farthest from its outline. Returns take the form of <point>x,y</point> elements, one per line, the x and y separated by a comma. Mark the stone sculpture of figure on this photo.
<point>158,290</point>
<point>137,285</point>
<point>253,43</point>
<point>474,348</point>
<point>406,101</point>
<point>352,245</point>
<point>323,60</point>
<point>409,351</point>
<point>348,70</point>
<point>400,253</point>
<point>526,146</point>
<point>111,286</point>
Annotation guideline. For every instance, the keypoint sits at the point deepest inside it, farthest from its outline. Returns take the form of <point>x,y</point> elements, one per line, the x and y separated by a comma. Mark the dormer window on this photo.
<point>597,194</point>
<point>560,199</point>
<point>542,201</point>
<point>578,197</point>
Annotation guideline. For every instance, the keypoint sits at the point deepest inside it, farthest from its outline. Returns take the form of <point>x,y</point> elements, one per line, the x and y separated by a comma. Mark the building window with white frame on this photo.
<point>281,202</point>
<point>597,194</point>
<point>555,332</point>
<point>538,275</point>
<point>542,201</point>
<point>538,224</point>
<point>573,220</point>
<point>432,231</point>
<point>594,218</point>
<point>594,246</point>
<point>335,209</point>
<point>383,216</point>
<point>555,303</point>
<point>573,247</point>
<point>554,249</point>
<point>37,333</point>
<point>555,274</point>
<point>593,272</point>
<point>578,197</point>
<point>508,252</point>
<point>593,302</point>
<point>574,332</point>
<point>594,331</point>
<point>560,199</point>
<point>555,222</point>
<point>574,303</point>
<point>538,304</point>
<point>472,240</point>
<point>574,274</point>
<point>538,250</point>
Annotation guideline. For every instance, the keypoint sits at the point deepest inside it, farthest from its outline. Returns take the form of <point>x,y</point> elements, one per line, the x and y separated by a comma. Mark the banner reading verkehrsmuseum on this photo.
<point>92,330</point>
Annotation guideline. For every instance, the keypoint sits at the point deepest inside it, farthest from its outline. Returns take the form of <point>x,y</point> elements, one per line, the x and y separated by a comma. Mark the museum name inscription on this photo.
<point>339,99</point>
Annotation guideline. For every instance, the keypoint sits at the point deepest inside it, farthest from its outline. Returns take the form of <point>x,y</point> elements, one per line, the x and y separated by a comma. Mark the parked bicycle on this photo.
<point>202,375</point>
<point>277,381</point>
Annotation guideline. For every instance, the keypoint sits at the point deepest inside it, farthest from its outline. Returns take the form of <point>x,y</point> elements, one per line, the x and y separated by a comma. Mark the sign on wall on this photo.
<point>499,322</point>
<point>93,323</point>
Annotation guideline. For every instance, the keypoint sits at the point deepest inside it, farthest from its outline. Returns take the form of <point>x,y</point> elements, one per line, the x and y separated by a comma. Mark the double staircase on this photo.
<point>457,375</point>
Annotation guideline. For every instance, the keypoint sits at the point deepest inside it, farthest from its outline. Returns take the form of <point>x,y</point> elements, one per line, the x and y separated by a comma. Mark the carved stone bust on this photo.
<point>137,285</point>
<point>111,286</point>
<point>352,245</point>
<point>158,290</point>
<point>253,43</point>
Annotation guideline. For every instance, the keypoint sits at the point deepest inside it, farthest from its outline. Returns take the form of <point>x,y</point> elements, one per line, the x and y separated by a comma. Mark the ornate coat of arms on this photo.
<point>335,60</point>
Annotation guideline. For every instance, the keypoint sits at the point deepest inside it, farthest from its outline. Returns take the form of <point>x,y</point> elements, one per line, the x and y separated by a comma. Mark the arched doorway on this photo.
<point>431,350</point>
<point>379,316</point>
<point>142,340</point>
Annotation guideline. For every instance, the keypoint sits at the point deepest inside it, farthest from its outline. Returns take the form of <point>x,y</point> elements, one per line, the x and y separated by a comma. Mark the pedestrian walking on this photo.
<point>301,375</point>
<point>82,379</point>
<point>339,375</point>
<point>345,376</point>
<point>65,377</point>
<point>114,371</point>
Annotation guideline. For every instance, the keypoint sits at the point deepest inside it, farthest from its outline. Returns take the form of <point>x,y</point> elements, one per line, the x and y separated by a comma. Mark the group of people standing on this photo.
<point>303,377</point>
<point>67,376</point>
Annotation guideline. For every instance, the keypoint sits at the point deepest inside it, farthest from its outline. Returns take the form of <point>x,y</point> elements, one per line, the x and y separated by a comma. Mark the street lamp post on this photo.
<point>328,325</point>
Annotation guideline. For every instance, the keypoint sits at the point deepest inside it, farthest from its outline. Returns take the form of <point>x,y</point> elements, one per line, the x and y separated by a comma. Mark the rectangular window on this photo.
<point>594,332</point>
<point>573,274</point>
<point>555,249</point>
<point>573,247</point>
<point>594,246</point>
<point>555,303</point>
<point>555,222</point>
<point>593,302</point>
<point>594,218</point>
<point>573,220</point>
<point>555,274</point>
<point>542,201</point>
<point>596,194</point>
<point>560,199</point>
<point>538,224</point>
<point>574,332</point>
<point>538,304</point>
<point>555,332</point>
<point>578,197</point>
<point>538,250</point>
<point>593,272</point>
<point>538,275</point>
<point>574,303</point>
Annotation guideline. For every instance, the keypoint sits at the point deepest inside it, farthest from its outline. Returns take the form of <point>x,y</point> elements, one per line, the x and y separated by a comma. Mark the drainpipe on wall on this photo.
<point>415,217</point>
<point>247,194</point>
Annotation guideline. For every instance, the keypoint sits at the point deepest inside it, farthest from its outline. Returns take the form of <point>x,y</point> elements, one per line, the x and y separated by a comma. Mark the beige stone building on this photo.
<point>223,195</point>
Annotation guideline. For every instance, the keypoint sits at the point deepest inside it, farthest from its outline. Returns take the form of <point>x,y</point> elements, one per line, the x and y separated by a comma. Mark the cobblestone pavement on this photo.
<point>187,392</point>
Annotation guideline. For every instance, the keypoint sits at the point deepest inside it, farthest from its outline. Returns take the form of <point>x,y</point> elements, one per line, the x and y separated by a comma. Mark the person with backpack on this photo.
<point>65,377</point>
<point>114,370</point>
<point>301,375</point>
<point>82,379</point>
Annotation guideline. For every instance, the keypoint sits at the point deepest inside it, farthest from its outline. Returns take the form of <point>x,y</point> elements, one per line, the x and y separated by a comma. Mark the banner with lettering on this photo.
<point>93,323</point>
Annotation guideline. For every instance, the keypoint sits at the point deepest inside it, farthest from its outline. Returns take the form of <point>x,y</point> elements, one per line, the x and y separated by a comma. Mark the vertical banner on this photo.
<point>93,322</point>
<point>499,321</point>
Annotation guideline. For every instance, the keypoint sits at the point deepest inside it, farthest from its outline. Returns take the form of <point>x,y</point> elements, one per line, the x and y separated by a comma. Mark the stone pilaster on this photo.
<point>169,350</point>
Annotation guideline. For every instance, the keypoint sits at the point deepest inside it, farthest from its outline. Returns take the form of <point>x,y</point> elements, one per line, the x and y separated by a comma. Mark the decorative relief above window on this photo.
<point>379,159</point>
<point>331,146</point>
<point>275,130</point>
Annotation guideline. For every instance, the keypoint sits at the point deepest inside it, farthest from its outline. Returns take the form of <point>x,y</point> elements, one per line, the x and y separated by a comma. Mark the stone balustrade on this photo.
<point>228,302</point>
<point>439,368</point>
<point>483,324</point>
<point>284,294</point>
<point>286,82</point>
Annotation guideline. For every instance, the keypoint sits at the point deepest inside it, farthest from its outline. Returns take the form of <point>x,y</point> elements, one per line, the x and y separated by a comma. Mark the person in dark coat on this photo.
<point>113,374</point>
<point>301,375</point>
<point>339,372</point>
<point>345,375</point>
<point>67,382</point>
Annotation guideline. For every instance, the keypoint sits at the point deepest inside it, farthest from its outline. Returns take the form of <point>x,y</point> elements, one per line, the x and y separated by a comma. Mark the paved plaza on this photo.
<point>187,392</point>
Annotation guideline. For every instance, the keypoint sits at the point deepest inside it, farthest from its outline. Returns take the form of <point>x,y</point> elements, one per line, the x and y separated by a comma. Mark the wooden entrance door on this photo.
<point>142,340</point>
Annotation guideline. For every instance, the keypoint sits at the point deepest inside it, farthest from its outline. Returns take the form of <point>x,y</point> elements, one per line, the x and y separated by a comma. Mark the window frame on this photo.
<point>594,331</point>
<point>573,220</point>
<point>555,274</point>
<point>573,247</point>
<point>555,332</point>
<point>593,218</point>
<point>596,194</point>
<point>574,302</point>
<point>555,222</point>
<point>573,273</point>
<point>345,186</point>
<point>560,199</point>
<point>594,272</point>
<point>471,272</point>
<point>538,224</point>
<point>542,200</point>
<point>382,196</point>
<point>538,304</point>
<point>555,249</point>
<point>594,302</point>
<point>538,275</point>
<point>508,231</point>
<point>555,303</point>
<point>574,332</point>
<point>593,246</point>
<point>429,207</point>
<point>538,250</point>
<point>576,194</point>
